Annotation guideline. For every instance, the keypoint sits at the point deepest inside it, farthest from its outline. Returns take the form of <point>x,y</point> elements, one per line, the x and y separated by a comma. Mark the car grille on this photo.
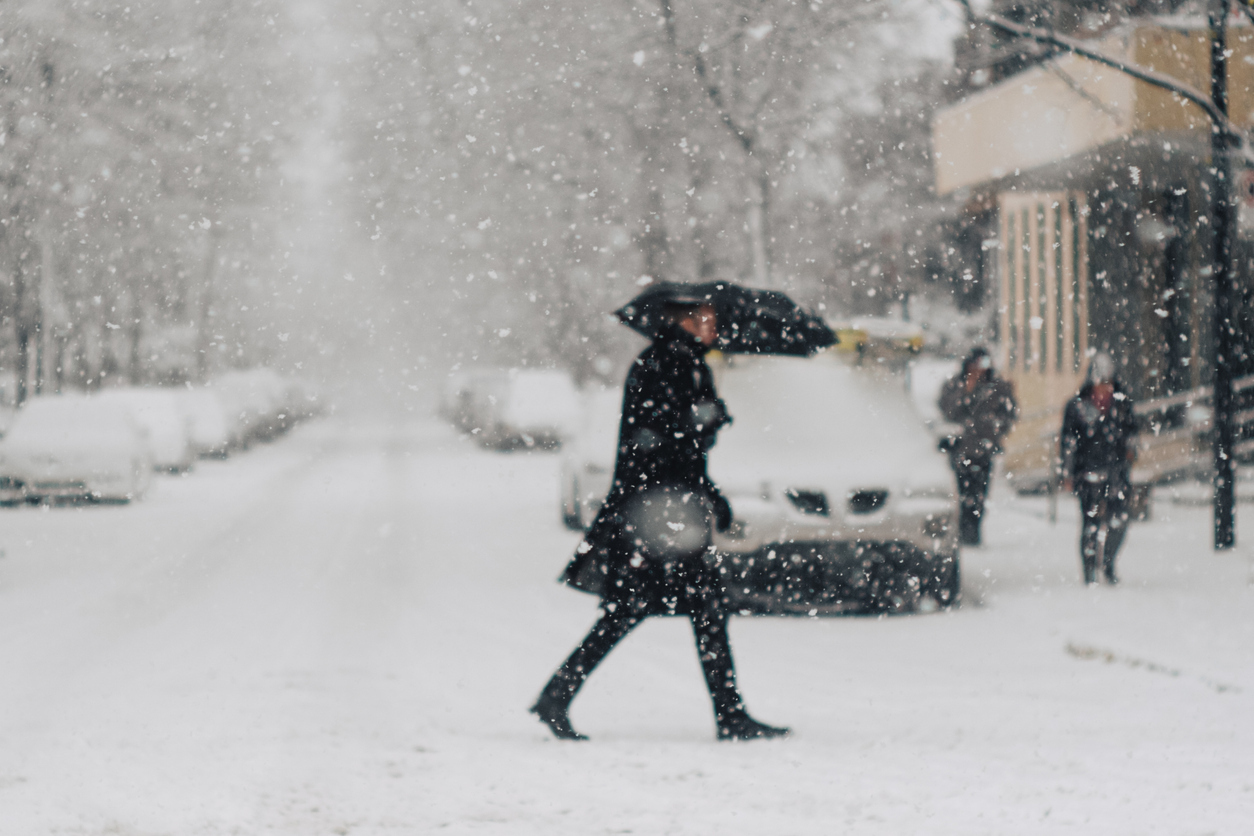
<point>866,502</point>
<point>809,502</point>
<point>59,486</point>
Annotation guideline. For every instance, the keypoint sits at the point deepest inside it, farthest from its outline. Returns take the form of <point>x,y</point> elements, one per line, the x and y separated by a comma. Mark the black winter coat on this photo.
<point>671,414</point>
<point>1093,442</point>
<point>986,415</point>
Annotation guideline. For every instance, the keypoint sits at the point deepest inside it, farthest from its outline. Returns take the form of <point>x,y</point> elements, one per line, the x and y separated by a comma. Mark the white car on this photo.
<point>842,501</point>
<point>159,413</point>
<point>207,423</point>
<point>304,399</point>
<point>524,408</point>
<point>588,458</point>
<point>74,446</point>
<point>254,401</point>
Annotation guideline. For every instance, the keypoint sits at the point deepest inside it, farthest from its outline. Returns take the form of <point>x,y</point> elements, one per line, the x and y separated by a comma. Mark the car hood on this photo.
<point>928,475</point>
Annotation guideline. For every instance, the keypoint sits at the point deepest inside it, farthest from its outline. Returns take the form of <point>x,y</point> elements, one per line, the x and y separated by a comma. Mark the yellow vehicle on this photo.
<point>880,339</point>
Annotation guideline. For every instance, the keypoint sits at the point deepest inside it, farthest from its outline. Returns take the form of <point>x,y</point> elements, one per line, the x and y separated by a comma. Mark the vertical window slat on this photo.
<point>1039,345</point>
<point>1057,286</point>
<point>1025,297</point>
<point>1079,313</point>
<point>1010,247</point>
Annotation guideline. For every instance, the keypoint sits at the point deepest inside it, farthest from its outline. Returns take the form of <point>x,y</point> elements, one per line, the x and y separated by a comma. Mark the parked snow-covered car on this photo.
<point>588,457</point>
<point>458,398</point>
<point>207,424</point>
<point>526,407</point>
<point>842,501</point>
<point>74,446</point>
<point>272,392</point>
<point>303,400</point>
<point>253,399</point>
<point>159,413</point>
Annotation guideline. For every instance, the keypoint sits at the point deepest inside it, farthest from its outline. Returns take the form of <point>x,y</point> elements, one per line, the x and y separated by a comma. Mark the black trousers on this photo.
<point>709,625</point>
<point>1103,508</point>
<point>973,478</point>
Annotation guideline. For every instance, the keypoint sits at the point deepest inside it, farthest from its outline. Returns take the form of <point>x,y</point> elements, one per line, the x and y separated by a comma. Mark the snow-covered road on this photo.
<point>340,633</point>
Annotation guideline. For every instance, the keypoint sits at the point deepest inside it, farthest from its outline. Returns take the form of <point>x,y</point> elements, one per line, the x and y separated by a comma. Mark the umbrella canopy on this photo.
<point>749,321</point>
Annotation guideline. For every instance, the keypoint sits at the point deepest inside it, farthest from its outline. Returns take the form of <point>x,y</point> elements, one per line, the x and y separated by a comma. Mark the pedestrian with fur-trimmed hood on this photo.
<point>1097,449</point>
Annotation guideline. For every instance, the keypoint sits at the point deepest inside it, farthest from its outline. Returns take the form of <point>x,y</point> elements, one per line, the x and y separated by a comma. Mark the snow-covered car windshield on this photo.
<point>813,418</point>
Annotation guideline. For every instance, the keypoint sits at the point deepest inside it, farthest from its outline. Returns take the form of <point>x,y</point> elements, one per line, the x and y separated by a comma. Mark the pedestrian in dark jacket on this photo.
<point>1097,448</point>
<point>647,552</point>
<point>984,404</point>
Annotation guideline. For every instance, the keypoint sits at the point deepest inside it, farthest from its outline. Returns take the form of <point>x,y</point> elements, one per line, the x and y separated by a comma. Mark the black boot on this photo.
<point>969,526</point>
<point>1108,565</point>
<point>1090,570</point>
<point>555,715</point>
<point>714,650</point>
<point>553,707</point>
<point>1089,545</point>
<point>1114,539</point>
<point>740,726</point>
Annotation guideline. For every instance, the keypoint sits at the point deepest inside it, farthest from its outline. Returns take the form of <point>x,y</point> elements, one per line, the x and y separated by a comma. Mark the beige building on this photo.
<point>1090,188</point>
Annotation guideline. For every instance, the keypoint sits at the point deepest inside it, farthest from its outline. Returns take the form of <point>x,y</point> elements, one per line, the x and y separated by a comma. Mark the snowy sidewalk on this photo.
<point>341,632</point>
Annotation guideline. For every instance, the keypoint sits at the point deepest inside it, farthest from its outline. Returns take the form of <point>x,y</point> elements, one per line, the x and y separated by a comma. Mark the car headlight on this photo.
<point>937,526</point>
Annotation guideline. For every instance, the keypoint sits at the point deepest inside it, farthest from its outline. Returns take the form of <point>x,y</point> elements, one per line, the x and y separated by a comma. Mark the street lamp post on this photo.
<point>1223,218</point>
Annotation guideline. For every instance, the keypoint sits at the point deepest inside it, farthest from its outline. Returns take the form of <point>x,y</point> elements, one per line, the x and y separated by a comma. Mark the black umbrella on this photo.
<point>749,321</point>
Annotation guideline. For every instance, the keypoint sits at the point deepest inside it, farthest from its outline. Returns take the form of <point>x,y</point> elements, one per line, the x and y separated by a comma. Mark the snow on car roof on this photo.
<point>70,414</point>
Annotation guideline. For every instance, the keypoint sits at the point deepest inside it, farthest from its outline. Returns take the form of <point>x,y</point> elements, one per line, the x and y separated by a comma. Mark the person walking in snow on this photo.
<point>646,554</point>
<point>1097,449</point>
<point>984,404</point>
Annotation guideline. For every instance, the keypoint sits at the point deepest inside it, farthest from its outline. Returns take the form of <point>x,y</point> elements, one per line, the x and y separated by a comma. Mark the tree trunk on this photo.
<point>21,335</point>
<point>23,359</point>
<point>707,266</point>
<point>42,305</point>
<point>758,222</point>
<point>653,241</point>
<point>58,363</point>
<point>204,331</point>
<point>134,334</point>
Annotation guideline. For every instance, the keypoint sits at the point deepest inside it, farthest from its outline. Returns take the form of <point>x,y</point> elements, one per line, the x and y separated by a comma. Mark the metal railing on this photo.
<point>1190,414</point>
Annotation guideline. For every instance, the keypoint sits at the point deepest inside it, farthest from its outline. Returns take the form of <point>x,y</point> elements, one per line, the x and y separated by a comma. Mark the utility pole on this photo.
<point>1223,220</point>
